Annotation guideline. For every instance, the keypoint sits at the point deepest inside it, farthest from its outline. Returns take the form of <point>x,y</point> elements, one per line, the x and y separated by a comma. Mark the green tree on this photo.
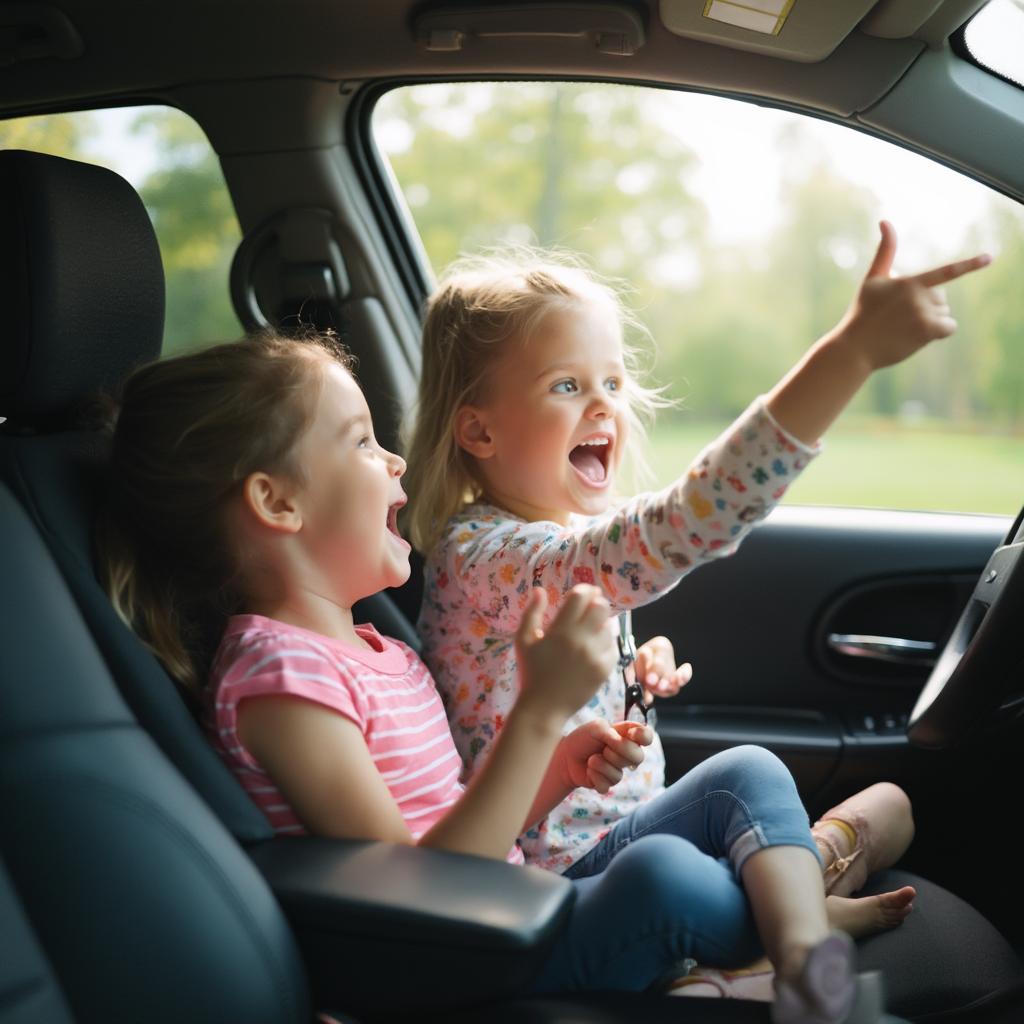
<point>994,301</point>
<point>197,228</point>
<point>555,164</point>
<point>55,134</point>
<point>756,308</point>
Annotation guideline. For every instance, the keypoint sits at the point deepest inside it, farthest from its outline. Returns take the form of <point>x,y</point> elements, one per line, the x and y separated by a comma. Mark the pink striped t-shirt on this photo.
<point>386,690</point>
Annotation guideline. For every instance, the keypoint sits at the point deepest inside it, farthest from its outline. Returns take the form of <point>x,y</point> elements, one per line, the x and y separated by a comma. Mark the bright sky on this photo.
<point>115,145</point>
<point>996,37</point>
<point>741,172</point>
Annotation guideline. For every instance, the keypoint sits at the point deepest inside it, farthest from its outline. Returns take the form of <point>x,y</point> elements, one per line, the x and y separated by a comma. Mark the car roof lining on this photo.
<point>278,79</point>
<point>141,54</point>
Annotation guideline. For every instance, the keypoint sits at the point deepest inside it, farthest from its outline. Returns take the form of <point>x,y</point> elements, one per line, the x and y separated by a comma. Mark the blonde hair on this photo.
<point>480,304</point>
<point>187,433</point>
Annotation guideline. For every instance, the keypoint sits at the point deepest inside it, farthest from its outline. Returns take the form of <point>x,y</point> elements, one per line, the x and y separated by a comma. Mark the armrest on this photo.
<point>386,927</point>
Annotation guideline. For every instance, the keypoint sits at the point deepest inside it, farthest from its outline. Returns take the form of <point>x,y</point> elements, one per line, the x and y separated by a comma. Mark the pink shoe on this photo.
<point>882,824</point>
<point>825,989</point>
<point>711,983</point>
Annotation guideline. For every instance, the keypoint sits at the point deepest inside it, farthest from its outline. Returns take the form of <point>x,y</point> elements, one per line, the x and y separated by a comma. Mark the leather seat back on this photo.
<point>28,990</point>
<point>84,284</point>
<point>145,904</point>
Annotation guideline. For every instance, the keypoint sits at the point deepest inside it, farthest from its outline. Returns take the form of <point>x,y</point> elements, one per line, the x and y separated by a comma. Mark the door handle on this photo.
<point>892,649</point>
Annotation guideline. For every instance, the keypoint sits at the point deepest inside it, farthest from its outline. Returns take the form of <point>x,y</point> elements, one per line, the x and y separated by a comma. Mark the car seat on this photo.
<point>29,992</point>
<point>143,866</point>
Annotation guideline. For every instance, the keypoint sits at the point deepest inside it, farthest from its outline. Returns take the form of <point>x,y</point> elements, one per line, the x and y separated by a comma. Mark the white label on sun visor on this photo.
<point>765,16</point>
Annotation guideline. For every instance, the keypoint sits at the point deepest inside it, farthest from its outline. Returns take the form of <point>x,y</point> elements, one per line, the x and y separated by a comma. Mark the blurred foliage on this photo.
<point>56,134</point>
<point>195,222</point>
<point>597,169</point>
<point>187,200</point>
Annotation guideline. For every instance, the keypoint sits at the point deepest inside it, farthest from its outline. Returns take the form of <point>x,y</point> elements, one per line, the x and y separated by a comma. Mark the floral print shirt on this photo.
<point>479,575</point>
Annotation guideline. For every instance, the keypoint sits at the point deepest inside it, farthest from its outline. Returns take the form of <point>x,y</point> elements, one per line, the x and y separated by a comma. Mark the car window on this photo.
<point>743,232</point>
<point>994,38</point>
<point>164,154</point>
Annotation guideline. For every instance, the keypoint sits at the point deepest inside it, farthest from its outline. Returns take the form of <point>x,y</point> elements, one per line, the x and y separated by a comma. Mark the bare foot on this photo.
<point>866,915</point>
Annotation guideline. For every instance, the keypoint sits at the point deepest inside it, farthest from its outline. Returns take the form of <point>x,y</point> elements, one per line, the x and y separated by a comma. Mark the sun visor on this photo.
<point>801,30</point>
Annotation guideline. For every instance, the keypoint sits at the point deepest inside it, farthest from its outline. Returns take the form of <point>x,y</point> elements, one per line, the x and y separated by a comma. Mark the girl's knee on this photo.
<point>747,762</point>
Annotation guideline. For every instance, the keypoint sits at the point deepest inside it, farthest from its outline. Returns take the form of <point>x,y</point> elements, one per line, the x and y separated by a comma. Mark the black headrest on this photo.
<point>81,281</point>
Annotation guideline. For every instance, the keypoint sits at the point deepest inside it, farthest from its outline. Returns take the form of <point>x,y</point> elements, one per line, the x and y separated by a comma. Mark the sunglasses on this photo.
<point>627,656</point>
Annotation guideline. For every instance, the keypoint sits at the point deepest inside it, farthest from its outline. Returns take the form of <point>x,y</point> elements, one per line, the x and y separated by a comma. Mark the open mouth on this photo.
<point>591,459</point>
<point>392,520</point>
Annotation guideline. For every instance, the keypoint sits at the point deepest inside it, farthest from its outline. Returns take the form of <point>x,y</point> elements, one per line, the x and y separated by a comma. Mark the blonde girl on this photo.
<point>528,401</point>
<point>250,506</point>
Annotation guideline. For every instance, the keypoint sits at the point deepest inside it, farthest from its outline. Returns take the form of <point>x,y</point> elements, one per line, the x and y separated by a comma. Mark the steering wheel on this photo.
<point>983,658</point>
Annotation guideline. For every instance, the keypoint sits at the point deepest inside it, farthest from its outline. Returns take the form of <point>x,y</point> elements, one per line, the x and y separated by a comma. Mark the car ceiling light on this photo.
<point>767,16</point>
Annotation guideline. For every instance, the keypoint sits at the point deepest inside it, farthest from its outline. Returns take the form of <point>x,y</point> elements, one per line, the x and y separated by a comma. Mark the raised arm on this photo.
<point>640,550</point>
<point>889,319</point>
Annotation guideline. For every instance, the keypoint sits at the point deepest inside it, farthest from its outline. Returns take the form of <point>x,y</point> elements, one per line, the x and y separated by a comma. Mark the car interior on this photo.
<point>137,880</point>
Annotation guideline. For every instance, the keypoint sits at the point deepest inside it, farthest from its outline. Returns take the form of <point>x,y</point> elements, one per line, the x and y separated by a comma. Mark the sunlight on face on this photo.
<point>352,494</point>
<point>557,417</point>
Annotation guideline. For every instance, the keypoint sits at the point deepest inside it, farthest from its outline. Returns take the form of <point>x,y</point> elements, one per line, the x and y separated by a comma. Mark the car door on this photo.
<point>815,639</point>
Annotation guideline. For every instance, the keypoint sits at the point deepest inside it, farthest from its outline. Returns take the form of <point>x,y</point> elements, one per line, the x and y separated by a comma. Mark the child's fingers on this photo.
<point>582,602</point>
<point>600,769</point>
<point>951,271</point>
<point>622,751</point>
<point>530,630</point>
<point>671,682</point>
<point>597,612</point>
<point>682,675</point>
<point>614,757</point>
<point>881,265</point>
<point>656,655</point>
<point>625,754</point>
<point>572,607</point>
<point>643,735</point>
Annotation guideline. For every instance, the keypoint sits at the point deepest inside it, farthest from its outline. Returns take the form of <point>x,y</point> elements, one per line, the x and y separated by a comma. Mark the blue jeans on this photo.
<point>665,885</point>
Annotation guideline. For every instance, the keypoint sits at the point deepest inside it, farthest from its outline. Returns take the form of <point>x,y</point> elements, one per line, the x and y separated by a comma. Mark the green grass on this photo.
<point>881,463</point>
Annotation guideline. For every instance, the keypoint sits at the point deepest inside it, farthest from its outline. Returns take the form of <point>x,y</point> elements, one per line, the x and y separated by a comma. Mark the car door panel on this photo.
<point>756,628</point>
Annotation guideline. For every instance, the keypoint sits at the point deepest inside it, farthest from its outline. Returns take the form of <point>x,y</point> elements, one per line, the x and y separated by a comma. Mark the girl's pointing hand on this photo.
<point>891,317</point>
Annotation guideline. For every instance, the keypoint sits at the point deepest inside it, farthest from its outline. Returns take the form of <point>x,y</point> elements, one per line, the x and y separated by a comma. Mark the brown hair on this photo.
<point>479,304</point>
<point>187,433</point>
